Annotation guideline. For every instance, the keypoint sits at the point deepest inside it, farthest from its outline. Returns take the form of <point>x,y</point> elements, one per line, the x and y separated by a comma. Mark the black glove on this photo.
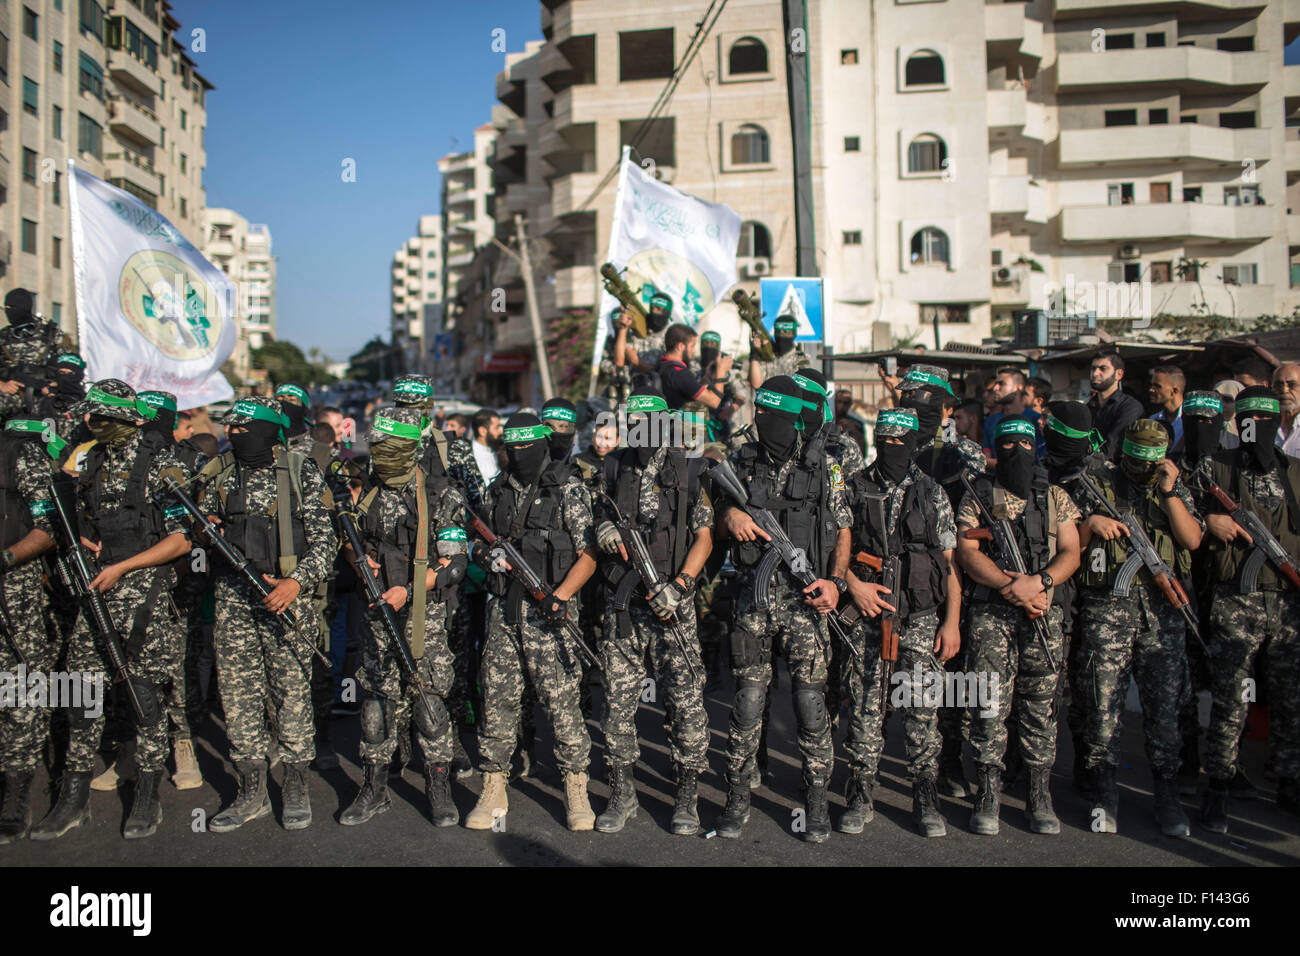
<point>554,609</point>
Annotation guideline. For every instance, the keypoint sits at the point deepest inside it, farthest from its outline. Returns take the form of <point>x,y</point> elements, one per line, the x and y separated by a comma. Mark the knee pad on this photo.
<point>431,729</point>
<point>750,696</point>
<point>376,719</point>
<point>810,707</point>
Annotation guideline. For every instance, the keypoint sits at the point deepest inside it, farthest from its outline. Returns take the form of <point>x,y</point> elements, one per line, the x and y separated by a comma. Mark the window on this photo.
<point>185,208</point>
<point>184,164</point>
<point>56,189</point>
<point>184,119</point>
<point>91,77</point>
<point>431,275</point>
<point>750,146</point>
<point>645,55</point>
<point>1187,118</point>
<point>1190,272</point>
<point>755,241</point>
<point>1121,117</point>
<point>929,247</point>
<point>122,34</point>
<point>1155,39</point>
<point>90,136</point>
<point>1236,44</point>
<point>1119,194</point>
<point>1241,274</point>
<point>29,236</point>
<point>848,57</point>
<point>1117,272</point>
<point>748,55</point>
<point>58,57</point>
<point>1120,41</point>
<point>945,312</point>
<point>1295,274</point>
<point>1241,196</point>
<point>658,139</point>
<point>924,68</point>
<point>1238,120</point>
<point>56,252</point>
<point>4,57</point>
<point>853,238</point>
<point>31,97</point>
<point>56,313</point>
<point>852,144</point>
<point>926,154</point>
<point>56,122</point>
<point>1160,271</point>
<point>1157,117</point>
<point>1191,194</point>
<point>29,24</point>
<point>29,165</point>
<point>997,257</point>
<point>92,19</point>
<point>1160,192</point>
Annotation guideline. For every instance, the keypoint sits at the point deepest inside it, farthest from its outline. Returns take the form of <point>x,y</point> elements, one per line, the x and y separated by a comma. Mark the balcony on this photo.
<point>1292,155</point>
<point>1186,144</point>
<point>133,167</point>
<point>1008,30</point>
<point>460,260</point>
<point>575,287</point>
<point>1185,9</point>
<point>1185,298</point>
<point>219,249</point>
<point>569,192</point>
<point>1012,110</point>
<point>1190,220</point>
<point>137,121</point>
<point>1291,87</point>
<point>1191,70</point>
<point>129,71</point>
<point>1290,20</point>
<point>1293,230</point>
<point>1017,196</point>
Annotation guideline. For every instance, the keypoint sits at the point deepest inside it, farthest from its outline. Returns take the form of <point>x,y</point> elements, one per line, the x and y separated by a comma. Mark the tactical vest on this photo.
<point>1103,559</point>
<point>536,527</point>
<point>800,507</point>
<point>1034,530</point>
<point>130,524</point>
<point>15,516</point>
<point>941,461</point>
<point>923,567</point>
<point>667,535</point>
<point>271,541</point>
<point>396,548</point>
<point>1283,518</point>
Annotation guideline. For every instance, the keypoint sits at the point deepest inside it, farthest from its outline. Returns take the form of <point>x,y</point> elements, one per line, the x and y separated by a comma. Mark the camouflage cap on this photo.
<point>413,391</point>
<point>245,411</point>
<point>1146,439</point>
<point>922,376</point>
<point>896,423</point>
<point>397,421</point>
<point>155,398</point>
<point>113,398</point>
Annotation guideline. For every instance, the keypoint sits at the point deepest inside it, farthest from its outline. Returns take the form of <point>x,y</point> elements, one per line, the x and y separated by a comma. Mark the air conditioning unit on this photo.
<point>1035,328</point>
<point>665,174</point>
<point>755,268</point>
<point>1002,275</point>
<point>1129,251</point>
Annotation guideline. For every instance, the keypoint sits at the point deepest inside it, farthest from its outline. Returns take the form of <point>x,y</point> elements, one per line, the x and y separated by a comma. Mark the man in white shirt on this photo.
<point>487,436</point>
<point>1286,383</point>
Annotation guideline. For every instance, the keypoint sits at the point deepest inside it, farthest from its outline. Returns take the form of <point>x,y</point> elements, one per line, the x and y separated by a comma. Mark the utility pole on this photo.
<point>534,315</point>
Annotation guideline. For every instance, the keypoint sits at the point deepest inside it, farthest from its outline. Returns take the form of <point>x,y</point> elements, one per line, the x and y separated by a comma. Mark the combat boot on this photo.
<point>326,758</point>
<point>1189,767</point>
<point>72,809</point>
<point>622,804</point>
<point>1214,810</point>
<point>860,810</point>
<point>297,799</point>
<point>577,808</point>
<point>492,803</point>
<point>187,775</point>
<point>818,820</point>
<point>437,791</point>
<point>146,811</point>
<point>952,776</point>
<point>984,818</point>
<point>1169,814</point>
<point>686,816</point>
<point>122,768</point>
<point>252,802</point>
<point>371,799</point>
<point>925,808</point>
<point>1042,818</point>
<point>736,813</point>
<point>1105,804</point>
<point>752,776</point>
<point>1288,795</point>
<point>16,812</point>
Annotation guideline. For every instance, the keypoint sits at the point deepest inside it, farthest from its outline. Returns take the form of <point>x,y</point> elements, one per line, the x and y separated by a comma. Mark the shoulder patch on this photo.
<point>837,475</point>
<point>39,508</point>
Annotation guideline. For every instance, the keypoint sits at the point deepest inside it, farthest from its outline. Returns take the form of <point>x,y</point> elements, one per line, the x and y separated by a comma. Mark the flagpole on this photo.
<point>78,258</point>
<point>598,342</point>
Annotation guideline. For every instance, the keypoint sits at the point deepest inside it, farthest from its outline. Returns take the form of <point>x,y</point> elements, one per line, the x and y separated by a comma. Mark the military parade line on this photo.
<point>1086,546</point>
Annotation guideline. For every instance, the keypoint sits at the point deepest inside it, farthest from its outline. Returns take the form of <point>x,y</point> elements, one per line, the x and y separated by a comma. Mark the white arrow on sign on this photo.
<point>792,305</point>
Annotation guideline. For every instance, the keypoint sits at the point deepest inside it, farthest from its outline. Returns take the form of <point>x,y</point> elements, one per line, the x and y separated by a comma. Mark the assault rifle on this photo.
<point>1267,547</point>
<point>620,290</point>
<point>1004,539</point>
<point>751,315</point>
<point>77,573</point>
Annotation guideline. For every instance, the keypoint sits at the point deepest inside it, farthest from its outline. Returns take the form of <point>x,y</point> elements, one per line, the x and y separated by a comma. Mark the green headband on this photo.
<point>1016,426</point>
<point>452,534</point>
<point>785,325</point>
<point>808,385</point>
<point>390,426</point>
<point>1259,403</point>
<point>781,403</point>
<point>411,386</point>
<point>646,403</point>
<point>925,378</point>
<point>1145,452</point>
<point>1094,437</point>
<point>1198,401</point>
<point>295,391</point>
<point>901,417</point>
<point>559,413</point>
<point>54,446</point>
<point>71,358</point>
<point>516,436</point>
<point>261,413</point>
<point>711,337</point>
<point>101,397</point>
<point>158,400</point>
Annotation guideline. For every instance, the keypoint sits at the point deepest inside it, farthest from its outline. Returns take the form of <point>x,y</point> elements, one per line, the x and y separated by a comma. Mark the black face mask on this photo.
<point>708,355</point>
<point>68,385</point>
<point>1260,451</point>
<point>929,415</point>
<point>1016,469</point>
<point>164,425</point>
<point>1201,436</point>
<point>561,445</point>
<point>781,344</point>
<point>527,461</point>
<point>777,435</point>
<point>22,321</point>
<point>892,461</point>
<point>297,415</point>
<point>255,446</point>
<point>656,321</point>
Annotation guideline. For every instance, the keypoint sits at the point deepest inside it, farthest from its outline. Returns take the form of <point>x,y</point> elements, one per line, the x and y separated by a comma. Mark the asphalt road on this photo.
<point>1260,834</point>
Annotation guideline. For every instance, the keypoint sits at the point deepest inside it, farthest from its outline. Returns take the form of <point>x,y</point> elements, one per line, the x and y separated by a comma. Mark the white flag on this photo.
<point>151,310</point>
<point>668,242</point>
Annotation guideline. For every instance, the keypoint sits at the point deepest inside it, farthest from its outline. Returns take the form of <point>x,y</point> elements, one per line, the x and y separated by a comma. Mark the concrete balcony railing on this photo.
<point>137,16</point>
<point>1011,109</point>
<point>569,192</point>
<point>136,120</point>
<point>1017,196</point>
<point>1291,81</point>
<point>460,260</point>
<point>1073,9</point>
<point>1292,160</point>
<point>1006,25</point>
<point>219,249</point>
<point>1187,143</point>
<point>128,70</point>
<point>134,168</point>
<point>575,287</point>
<point>1187,220</point>
<point>1189,69</point>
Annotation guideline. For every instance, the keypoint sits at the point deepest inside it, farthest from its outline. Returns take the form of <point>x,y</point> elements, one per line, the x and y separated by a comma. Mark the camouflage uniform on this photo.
<point>462,467</point>
<point>786,364</point>
<point>37,345</point>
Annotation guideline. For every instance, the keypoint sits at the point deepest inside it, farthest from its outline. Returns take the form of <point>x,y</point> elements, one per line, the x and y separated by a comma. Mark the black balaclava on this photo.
<point>254,446</point>
<point>163,425</point>
<point>659,313</point>
<point>527,449</point>
<point>1259,403</point>
<point>655,431</point>
<point>1015,469</point>
<point>297,416</point>
<point>20,307</point>
<point>710,348</point>
<point>1069,437</point>
<point>783,331</point>
<point>561,443</point>
<point>778,417</point>
<point>893,461</point>
<point>816,411</point>
<point>1202,424</point>
<point>928,405</point>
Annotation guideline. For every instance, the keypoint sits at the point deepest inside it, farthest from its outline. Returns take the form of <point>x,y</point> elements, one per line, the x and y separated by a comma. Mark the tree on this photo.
<point>372,362</point>
<point>569,351</point>
<point>284,362</point>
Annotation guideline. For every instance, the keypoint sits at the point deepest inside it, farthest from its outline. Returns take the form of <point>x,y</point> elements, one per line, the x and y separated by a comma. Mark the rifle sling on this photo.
<point>420,566</point>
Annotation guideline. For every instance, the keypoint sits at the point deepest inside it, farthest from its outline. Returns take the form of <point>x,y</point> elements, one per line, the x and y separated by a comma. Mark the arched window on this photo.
<point>924,68</point>
<point>750,145</point>
<point>755,241</point>
<point>926,154</point>
<point>747,55</point>
<point>929,247</point>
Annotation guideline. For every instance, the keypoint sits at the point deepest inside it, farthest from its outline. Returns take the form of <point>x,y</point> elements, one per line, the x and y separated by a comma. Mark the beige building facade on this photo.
<point>415,295</point>
<point>242,250</point>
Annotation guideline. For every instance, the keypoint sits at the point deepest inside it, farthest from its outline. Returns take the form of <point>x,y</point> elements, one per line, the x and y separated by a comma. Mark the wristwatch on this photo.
<point>1046,579</point>
<point>840,584</point>
<point>1165,495</point>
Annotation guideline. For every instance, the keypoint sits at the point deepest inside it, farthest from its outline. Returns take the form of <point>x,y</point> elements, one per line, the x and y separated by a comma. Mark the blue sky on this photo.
<point>312,83</point>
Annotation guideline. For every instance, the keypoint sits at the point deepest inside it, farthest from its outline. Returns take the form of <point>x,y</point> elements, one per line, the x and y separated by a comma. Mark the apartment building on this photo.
<point>416,295</point>
<point>242,250</point>
<point>109,86</point>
